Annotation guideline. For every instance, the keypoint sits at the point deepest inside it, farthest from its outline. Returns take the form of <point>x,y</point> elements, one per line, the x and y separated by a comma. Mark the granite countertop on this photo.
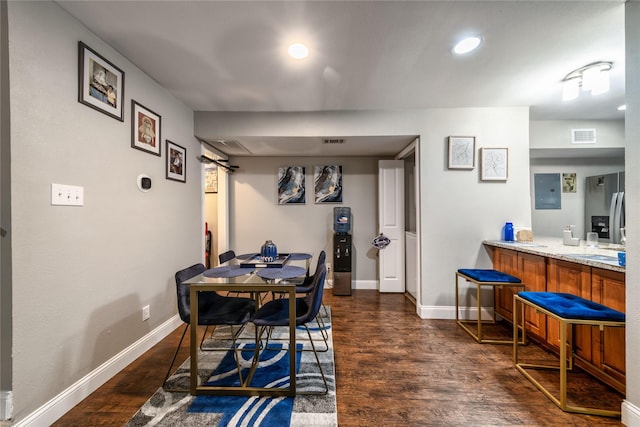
<point>604,256</point>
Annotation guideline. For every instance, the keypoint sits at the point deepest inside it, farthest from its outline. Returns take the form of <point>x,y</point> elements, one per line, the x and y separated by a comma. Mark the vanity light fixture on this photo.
<point>298,51</point>
<point>592,78</point>
<point>466,45</point>
<point>622,108</point>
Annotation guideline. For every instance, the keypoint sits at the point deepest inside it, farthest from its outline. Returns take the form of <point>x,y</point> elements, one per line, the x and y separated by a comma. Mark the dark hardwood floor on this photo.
<point>392,369</point>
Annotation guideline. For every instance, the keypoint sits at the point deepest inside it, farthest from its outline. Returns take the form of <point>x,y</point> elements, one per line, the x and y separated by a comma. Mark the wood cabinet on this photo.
<point>597,351</point>
<point>531,269</point>
<point>607,288</point>
<point>570,278</point>
<point>507,262</point>
<point>533,273</point>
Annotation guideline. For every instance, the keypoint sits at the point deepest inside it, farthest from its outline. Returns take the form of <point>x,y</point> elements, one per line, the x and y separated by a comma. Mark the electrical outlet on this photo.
<point>146,313</point>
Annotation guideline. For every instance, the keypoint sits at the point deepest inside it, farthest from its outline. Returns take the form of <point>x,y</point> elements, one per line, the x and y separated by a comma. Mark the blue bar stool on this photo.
<point>569,310</point>
<point>493,279</point>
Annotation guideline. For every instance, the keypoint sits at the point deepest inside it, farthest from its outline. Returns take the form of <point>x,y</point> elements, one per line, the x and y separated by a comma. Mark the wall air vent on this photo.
<point>334,141</point>
<point>583,136</point>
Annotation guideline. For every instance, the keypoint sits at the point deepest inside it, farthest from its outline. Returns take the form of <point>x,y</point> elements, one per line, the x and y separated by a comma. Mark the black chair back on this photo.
<point>314,298</point>
<point>226,256</point>
<point>183,291</point>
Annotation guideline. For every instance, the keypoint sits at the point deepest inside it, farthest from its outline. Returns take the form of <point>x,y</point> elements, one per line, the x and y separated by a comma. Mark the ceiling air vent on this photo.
<point>583,136</point>
<point>334,141</point>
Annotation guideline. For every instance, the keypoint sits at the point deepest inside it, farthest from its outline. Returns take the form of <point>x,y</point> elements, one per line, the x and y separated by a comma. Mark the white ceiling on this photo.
<point>366,55</point>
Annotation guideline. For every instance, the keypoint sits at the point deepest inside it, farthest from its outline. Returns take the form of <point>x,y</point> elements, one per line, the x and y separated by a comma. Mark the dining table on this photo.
<point>254,281</point>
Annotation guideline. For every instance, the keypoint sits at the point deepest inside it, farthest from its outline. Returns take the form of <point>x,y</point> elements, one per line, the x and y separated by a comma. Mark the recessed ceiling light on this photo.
<point>467,45</point>
<point>298,51</point>
<point>622,108</point>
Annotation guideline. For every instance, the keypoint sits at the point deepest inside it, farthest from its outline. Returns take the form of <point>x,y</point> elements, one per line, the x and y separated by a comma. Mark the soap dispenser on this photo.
<point>568,238</point>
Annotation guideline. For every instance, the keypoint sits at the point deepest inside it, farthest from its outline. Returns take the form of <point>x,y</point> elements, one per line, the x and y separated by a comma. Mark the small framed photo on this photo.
<point>211,178</point>
<point>495,164</point>
<point>145,129</point>
<point>462,152</point>
<point>100,83</point>
<point>176,162</point>
<point>327,182</point>
<point>569,183</point>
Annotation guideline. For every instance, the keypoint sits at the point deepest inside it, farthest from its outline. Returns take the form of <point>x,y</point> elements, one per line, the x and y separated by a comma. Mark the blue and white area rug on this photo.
<point>219,367</point>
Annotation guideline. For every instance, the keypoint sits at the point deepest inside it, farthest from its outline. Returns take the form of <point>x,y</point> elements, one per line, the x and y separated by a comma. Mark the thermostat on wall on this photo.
<point>144,183</point>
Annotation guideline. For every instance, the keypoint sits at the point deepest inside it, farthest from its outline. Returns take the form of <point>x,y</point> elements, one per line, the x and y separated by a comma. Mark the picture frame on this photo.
<point>462,152</point>
<point>145,129</point>
<point>327,183</point>
<point>176,162</point>
<point>495,164</point>
<point>291,185</point>
<point>211,178</point>
<point>100,83</point>
<point>569,183</point>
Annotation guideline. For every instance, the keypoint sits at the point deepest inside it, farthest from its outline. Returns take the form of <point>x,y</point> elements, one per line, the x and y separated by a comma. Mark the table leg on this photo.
<point>292,341</point>
<point>193,341</point>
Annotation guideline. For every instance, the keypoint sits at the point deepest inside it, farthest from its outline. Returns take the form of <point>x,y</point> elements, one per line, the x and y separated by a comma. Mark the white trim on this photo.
<point>365,284</point>
<point>449,312</point>
<point>51,411</point>
<point>630,414</point>
<point>6,405</point>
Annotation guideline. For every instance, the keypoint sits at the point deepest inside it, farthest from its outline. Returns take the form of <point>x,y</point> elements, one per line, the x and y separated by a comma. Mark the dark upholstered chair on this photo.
<point>276,313</point>
<point>226,256</point>
<point>213,309</point>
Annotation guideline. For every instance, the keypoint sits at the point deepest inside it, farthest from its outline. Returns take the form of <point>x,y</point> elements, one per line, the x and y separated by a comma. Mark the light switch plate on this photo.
<point>67,195</point>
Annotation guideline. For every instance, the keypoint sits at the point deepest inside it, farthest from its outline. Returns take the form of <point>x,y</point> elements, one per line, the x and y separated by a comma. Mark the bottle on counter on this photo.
<point>508,232</point>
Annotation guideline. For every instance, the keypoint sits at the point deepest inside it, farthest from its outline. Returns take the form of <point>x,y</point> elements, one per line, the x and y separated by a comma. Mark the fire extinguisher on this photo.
<point>207,246</point>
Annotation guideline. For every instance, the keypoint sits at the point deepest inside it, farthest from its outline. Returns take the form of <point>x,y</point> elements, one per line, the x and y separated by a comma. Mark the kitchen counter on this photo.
<point>604,256</point>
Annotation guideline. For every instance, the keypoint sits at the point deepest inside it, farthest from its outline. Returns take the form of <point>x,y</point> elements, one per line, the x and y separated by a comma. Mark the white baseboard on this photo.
<point>449,313</point>
<point>365,284</point>
<point>48,413</point>
<point>6,405</point>
<point>630,414</point>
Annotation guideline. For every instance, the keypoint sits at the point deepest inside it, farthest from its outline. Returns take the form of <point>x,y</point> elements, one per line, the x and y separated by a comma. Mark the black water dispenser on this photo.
<point>342,250</point>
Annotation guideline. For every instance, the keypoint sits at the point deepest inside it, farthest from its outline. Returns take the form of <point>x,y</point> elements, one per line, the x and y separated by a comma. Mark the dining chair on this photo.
<point>213,310</point>
<point>307,286</point>
<point>226,256</point>
<point>276,313</point>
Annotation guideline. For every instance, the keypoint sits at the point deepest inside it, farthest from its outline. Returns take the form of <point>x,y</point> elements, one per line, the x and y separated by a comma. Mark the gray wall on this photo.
<point>631,415</point>
<point>256,215</point>
<point>80,275</point>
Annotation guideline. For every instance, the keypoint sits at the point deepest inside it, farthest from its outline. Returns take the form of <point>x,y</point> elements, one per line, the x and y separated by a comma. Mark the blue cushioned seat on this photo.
<point>488,275</point>
<point>570,306</point>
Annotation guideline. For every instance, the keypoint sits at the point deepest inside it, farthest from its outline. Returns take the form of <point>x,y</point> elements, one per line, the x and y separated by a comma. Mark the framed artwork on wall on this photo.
<point>462,152</point>
<point>176,162</point>
<point>145,129</point>
<point>327,182</point>
<point>291,185</point>
<point>100,83</point>
<point>211,178</point>
<point>495,164</point>
<point>569,183</point>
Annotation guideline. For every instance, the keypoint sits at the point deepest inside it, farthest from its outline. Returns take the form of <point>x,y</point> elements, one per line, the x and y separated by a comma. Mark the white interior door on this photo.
<point>391,270</point>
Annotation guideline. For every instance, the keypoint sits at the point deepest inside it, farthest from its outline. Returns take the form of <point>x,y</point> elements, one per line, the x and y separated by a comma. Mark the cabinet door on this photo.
<point>609,345</point>
<point>505,260</point>
<point>533,273</point>
<point>573,279</point>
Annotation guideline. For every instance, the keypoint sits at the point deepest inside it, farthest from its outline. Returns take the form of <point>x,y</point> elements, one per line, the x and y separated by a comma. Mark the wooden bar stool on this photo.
<point>569,310</point>
<point>491,278</point>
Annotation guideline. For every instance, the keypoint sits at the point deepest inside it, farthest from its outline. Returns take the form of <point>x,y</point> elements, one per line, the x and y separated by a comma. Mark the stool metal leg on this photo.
<point>565,362</point>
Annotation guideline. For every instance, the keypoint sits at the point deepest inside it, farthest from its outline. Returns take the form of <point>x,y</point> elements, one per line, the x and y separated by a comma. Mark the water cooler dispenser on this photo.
<point>342,250</point>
